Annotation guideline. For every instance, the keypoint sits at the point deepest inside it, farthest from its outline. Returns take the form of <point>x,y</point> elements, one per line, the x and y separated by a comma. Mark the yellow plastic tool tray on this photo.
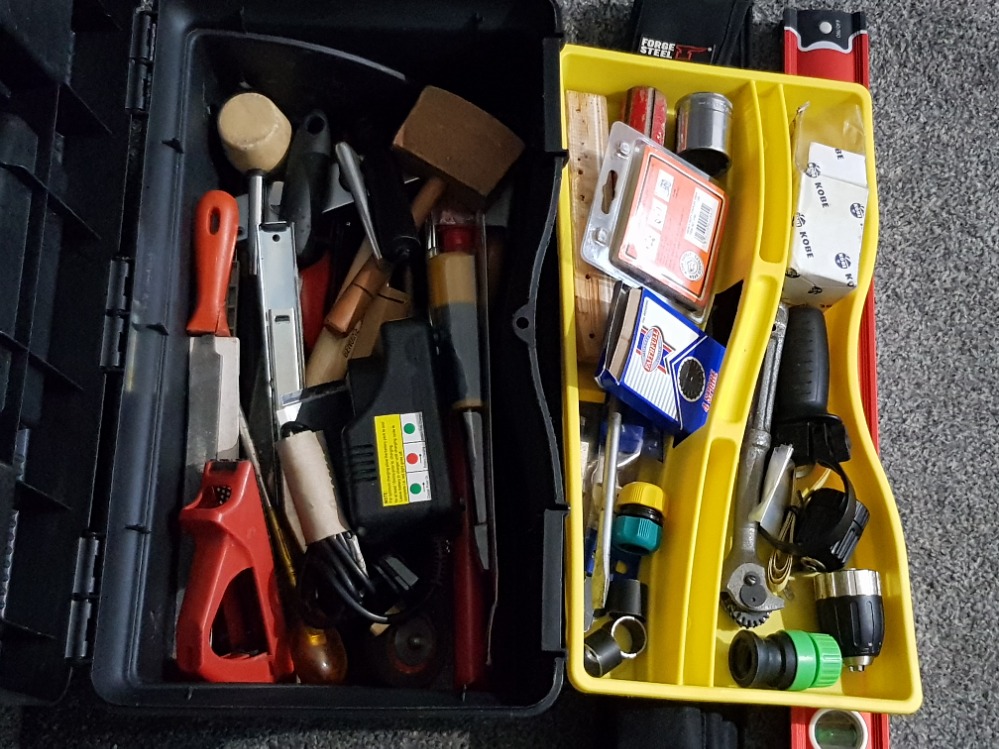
<point>689,634</point>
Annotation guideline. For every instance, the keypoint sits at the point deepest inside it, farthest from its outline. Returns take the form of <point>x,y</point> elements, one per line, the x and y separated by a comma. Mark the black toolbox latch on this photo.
<point>83,607</point>
<point>140,59</point>
<point>116,316</point>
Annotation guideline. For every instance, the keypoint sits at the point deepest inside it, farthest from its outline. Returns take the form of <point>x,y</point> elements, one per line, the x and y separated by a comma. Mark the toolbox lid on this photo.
<point>64,153</point>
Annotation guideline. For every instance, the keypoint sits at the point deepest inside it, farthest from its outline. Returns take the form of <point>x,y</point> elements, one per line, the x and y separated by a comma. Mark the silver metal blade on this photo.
<point>350,165</point>
<point>338,196</point>
<point>588,613</point>
<point>475,448</point>
<point>212,406</point>
<point>282,318</point>
<point>270,209</point>
<point>610,493</point>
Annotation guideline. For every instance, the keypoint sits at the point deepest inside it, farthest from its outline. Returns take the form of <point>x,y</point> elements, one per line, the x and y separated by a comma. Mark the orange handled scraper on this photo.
<point>216,223</point>
<point>231,627</point>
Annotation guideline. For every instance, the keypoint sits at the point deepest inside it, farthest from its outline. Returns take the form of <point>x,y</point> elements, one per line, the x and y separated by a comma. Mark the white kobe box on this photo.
<point>828,228</point>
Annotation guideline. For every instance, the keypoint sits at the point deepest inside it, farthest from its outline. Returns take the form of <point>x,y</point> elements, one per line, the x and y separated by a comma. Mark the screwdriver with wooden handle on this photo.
<point>454,313</point>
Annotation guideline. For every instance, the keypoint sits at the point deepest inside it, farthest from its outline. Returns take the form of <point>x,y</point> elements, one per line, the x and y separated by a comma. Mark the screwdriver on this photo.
<point>454,313</point>
<point>319,655</point>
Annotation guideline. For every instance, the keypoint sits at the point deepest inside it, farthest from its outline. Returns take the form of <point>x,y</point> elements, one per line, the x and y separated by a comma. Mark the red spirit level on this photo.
<point>834,45</point>
<point>837,729</point>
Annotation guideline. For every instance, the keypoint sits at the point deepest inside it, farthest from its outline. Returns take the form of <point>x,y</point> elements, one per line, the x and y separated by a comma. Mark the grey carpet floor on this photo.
<point>934,73</point>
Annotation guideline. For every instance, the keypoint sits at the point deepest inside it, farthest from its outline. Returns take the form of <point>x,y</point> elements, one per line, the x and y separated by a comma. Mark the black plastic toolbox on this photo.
<point>106,142</point>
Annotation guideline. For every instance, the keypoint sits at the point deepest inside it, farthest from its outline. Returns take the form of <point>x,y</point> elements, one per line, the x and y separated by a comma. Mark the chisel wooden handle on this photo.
<point>216,223</point>
<point>353,301</point>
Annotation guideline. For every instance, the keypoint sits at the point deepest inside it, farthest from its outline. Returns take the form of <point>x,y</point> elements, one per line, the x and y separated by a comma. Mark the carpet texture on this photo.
<point>934,75</point>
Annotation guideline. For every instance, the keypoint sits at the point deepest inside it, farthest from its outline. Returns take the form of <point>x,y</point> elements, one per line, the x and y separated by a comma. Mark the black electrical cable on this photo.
<point>329,563</point>
<point>347,558</point>
<point>833,533</point>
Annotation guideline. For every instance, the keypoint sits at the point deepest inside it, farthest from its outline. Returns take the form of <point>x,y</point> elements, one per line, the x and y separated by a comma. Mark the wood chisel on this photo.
<point>373,274</point>
<point>364,281</point>
<point>454,312</point>
<point>588,129</point>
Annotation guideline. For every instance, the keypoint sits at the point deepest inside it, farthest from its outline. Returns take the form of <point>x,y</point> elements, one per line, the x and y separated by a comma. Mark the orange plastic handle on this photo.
<point>216,223</point>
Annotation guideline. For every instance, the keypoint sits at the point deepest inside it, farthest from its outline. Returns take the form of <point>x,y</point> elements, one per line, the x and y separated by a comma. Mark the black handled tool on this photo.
<point>832,521</point>
<point>398,238</point>
<point>306,184</point>
<point>801,408</point>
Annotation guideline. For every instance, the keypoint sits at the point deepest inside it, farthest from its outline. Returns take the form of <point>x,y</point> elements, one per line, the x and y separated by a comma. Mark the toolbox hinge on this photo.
<point>115,316</point>
<point>140,59</point>
<point>83,606</point>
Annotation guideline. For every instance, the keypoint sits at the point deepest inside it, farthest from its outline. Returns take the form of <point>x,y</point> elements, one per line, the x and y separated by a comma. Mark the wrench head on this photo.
<point>747,589</point>
<point>745,619</point>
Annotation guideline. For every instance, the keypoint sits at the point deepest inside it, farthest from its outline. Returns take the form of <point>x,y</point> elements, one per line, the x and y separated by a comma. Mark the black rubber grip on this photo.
<point>803,380</point>
<point>306,183</point>
<point>398,238</point>
<point>857,623</point>
<point>758,663</point>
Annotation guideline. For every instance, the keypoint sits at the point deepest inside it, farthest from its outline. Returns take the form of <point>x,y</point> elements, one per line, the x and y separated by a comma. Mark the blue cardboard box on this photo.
<point>658,362</point>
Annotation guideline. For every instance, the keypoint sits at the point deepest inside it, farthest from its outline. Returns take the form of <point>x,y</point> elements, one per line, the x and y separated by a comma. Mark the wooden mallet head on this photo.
<point>448,137</point>
<point>255,133</point>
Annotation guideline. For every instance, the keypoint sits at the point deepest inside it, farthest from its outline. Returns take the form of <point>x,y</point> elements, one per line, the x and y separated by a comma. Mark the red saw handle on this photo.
<point>230,537</point>
<point>216,223</point>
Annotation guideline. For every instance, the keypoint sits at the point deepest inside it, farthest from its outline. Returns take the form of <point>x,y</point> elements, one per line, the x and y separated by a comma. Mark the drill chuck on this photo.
<point>851,610</point>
